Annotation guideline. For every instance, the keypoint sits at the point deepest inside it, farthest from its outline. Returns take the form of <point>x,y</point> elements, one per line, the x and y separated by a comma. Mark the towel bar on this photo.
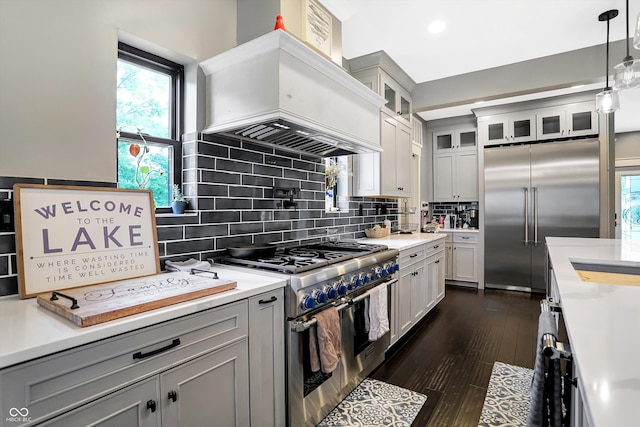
<point>548,304</point>
<point>303,326</point>
<point>552,348</point>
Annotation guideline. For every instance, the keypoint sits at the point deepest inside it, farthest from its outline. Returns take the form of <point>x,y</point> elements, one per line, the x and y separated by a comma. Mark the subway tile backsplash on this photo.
<point>229,183</point>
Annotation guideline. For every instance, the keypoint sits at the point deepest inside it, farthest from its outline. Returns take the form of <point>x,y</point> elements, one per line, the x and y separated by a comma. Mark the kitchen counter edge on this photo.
<point>405,241</point>
<point>601,321</point>
<point>28,331</point>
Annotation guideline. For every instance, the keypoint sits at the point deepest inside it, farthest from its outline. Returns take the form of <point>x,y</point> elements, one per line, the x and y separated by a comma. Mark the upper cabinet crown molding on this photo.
<point>381,60</point>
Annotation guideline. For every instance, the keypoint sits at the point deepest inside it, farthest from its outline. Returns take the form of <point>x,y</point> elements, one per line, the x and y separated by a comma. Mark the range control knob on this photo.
<point>332,292</point>
<point>365,278</point>
<point>308,302</point>
<point>396,266</point>
<point>320,296</point>
<point>342,288</point>
<point>358,281</point>
<point>379,272</point>
<point>390,267</point>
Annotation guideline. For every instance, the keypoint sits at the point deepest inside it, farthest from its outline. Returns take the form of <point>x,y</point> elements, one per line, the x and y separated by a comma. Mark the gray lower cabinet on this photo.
<point>181,396</point>
<point>190,371</point>
<point>266,366</point>
<point>126,407</point>
<point>420,286</point>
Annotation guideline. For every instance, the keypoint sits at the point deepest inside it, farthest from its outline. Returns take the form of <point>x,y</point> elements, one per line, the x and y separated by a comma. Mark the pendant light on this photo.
<point>607,101</point>
<point>627,73</point>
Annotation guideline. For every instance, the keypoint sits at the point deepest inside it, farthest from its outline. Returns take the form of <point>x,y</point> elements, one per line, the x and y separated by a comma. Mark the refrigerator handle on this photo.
<point>526,216</point>
<point>535,216</point>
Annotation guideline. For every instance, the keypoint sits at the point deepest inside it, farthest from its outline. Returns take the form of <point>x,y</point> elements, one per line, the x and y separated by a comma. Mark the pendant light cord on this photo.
<point>607,62</point>
<point>628,60</point>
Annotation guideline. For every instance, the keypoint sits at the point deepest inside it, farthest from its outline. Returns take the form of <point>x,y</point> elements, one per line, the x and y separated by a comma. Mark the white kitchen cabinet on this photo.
<point>387,173</point>
<point>465,257</point>
<point>448,273</point>
<point>420,286</point>
<point>439,287</point>
<point>507,128</point>
<point>417,132</point>
<point>186,371</point>
<point>455,166</point>
<point>462,263</point>
<point>567,121</point>
<point>410,296</point>
<point>266,356</point>
<point>398,99</point>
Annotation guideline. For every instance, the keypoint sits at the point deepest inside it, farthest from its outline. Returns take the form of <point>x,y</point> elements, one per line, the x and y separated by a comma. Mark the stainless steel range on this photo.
<point>323,275</point>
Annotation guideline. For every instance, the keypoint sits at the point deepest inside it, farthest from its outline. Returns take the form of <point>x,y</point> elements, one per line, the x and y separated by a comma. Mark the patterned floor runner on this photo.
<point>508,396</point>
<point>376,403</point>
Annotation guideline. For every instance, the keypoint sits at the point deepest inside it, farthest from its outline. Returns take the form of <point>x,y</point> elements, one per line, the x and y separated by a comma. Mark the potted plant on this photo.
<point>178,202</point>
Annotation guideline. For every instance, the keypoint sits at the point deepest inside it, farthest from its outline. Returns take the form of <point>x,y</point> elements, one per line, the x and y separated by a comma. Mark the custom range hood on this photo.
<point>276,89</point>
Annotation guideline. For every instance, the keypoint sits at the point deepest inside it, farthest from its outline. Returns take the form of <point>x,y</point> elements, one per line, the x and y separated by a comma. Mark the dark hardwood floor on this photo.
<point>449,355</point>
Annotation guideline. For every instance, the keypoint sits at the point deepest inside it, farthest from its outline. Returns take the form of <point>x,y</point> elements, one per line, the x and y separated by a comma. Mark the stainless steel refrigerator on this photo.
<point>533,191</point>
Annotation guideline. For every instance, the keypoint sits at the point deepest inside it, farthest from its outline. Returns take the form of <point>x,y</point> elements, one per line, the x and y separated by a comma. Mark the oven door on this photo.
<point>311,395</point>
<point>361,355</point>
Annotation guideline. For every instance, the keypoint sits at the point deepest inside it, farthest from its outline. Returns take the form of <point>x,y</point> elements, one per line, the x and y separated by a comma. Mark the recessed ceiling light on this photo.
<point>436,27</point>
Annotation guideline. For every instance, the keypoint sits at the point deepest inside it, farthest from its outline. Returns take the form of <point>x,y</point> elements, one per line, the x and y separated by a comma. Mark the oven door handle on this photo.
<point>366,294</point>
<point>303,326</point>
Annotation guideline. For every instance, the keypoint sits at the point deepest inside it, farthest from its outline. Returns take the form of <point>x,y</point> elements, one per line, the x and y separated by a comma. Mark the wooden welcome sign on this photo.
<point>68,237</point>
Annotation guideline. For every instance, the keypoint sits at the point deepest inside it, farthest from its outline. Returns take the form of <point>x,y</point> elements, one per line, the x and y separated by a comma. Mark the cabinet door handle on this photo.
<point>151,404</point>
<point>436,246</point>
<point>140,355</point>
<point>413,256</point>
<point>269,301</point>
<point>437,262</point>
<point>173,395</point>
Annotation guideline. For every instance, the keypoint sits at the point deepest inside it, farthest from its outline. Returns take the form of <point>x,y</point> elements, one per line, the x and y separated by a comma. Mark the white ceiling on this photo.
<point>479,34</point>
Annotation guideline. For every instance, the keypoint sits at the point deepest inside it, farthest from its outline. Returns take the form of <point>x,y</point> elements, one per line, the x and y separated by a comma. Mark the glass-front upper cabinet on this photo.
<point>567,121</point>
<point>460,140</point>
<point>398,103</point>
<point>505,128</point>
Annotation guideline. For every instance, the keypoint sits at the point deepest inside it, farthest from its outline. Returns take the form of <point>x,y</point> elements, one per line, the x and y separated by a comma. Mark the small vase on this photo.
<point>178,207</point>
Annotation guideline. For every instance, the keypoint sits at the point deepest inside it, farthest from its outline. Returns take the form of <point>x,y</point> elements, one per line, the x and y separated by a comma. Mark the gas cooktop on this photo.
<point>297,259</point>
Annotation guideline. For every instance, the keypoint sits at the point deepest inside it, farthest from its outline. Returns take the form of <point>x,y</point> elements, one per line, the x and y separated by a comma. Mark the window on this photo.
<point>627,223</point>
<point>336,184</point>
<point>149,122</point>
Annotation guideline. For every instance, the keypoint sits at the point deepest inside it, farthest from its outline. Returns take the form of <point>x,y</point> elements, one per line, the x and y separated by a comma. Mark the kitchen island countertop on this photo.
<point>405,241</point>
<point>603,324</point>
<point>28,331</point>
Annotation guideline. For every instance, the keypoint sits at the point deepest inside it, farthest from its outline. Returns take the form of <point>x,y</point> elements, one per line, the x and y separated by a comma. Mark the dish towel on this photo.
<point>378,318</point>
<point>537,409</point>
<point>325,346</point>
<point>187,265</point>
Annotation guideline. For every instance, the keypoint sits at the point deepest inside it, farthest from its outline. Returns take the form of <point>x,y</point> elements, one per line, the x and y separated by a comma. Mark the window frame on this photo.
<point>176,117</point>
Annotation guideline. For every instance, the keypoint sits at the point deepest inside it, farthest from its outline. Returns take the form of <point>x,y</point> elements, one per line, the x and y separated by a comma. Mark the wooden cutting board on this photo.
<point>605,277</point>
<point>109,301</point>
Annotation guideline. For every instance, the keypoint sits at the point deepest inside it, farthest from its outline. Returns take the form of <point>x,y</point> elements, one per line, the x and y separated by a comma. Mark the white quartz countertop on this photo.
<point>603,325</point>
<point>28,331</point>
<point>405,241</point>
<point>458,230</point>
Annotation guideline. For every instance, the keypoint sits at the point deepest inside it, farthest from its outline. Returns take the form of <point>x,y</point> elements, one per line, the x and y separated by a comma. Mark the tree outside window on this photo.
<point>147,122</point>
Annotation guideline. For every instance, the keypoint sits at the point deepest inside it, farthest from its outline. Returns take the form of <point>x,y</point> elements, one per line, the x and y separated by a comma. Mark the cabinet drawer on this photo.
<point>415,254</point>
<point>465,238</point>
<point>62,381</point>
<point>435,247</point>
